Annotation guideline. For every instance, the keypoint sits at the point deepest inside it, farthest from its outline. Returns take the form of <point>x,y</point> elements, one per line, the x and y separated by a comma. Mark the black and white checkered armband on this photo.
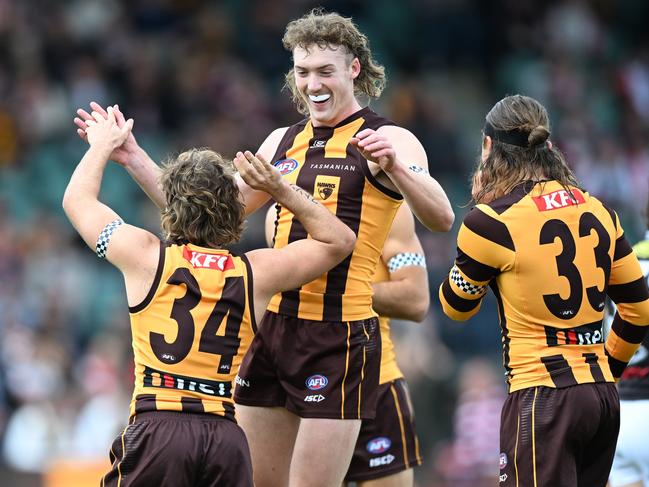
<point>464,285</point>
<point>405,259</point>
<point>104,237</point>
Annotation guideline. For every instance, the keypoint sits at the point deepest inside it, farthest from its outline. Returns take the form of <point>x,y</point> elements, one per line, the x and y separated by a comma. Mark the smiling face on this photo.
<point>324,77</point>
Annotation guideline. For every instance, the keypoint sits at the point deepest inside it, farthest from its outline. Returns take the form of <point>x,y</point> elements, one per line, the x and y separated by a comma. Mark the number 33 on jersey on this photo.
<point>191,331</point>
<point>550,259</point>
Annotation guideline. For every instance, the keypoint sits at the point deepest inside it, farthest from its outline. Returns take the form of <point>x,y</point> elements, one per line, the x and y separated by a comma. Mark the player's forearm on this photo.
<point>425,196</point>
<point>146,174</point>
<point>399,299</point>
<point>319,222</point>
<point>85,182</point>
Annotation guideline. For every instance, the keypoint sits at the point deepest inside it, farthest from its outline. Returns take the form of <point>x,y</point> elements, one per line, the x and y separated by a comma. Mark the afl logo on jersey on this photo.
<point>378,445</point>
<point>286,166</point>
<point>317,382</point>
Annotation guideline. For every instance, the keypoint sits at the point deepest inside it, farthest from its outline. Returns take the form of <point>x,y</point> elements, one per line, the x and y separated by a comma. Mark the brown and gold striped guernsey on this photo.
<point>191,331</point>
<point>389,368</point>
<point>551,259</point>
<point>322,161</point>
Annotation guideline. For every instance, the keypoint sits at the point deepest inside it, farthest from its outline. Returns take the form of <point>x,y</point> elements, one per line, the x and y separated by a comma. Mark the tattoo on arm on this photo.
<point>304,193</point>
<point>418,169</point>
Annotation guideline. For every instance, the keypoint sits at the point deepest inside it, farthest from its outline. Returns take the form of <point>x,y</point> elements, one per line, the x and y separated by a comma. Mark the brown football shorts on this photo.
<point>559,437</point>
<point>315,369</point>
<point>176,449</point>
<point>388,443</point>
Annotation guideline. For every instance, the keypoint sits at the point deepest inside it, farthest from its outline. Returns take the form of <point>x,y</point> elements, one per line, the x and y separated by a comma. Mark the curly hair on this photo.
<point>508,165</point>
<point>203,205</point>
<point>331,30</point>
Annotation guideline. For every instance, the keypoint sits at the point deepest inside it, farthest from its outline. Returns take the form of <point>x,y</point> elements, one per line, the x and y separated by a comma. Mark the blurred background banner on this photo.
<point>195,73</point>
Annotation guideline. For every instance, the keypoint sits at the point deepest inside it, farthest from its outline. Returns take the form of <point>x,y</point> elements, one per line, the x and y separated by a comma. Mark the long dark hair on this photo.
<point>508,164</point>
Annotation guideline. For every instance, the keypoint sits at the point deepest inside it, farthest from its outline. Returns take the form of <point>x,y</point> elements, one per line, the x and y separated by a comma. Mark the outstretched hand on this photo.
<point>258,173</point>
<point>121,154</point>
<point>375,147</point>
<point>105,131</point>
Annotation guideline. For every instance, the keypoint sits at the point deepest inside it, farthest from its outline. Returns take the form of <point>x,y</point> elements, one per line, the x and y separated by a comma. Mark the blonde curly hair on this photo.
<point>331,30</point>
<point>203,205</point>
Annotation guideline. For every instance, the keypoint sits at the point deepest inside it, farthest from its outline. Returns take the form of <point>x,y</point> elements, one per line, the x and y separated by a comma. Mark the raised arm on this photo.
<point>252,198</point>
<point>129,154</point>
<point>146,172</point>
<point>406,294</point>
<point>403,159</point>
<point>302,261</point>
<point>133,250</point>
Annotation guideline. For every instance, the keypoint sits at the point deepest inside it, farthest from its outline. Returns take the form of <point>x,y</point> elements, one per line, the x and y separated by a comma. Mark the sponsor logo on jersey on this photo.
<point>380,461</point>
<point>202,260</point>
<point>590,334</point>
<point>378,445</point>
<point>335,167</point>
<point>286,166</point>
<point>317,143</point>
<point>325,189</point>
<point>167,380</point>
<point>317,382</point>
<point>558,199</point>
<point>314,398</point>
<point>503,460</point>
<point>241,382</point>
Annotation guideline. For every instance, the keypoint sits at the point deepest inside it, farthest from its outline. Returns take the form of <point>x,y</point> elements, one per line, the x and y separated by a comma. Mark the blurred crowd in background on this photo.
<point>198,73</point>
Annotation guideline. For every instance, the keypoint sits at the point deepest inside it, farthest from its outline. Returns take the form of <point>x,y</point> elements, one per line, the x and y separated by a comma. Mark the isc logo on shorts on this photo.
<point>384,460</point>
<point>317,382</point>
<point>314,398</point>
<point>286,166</point>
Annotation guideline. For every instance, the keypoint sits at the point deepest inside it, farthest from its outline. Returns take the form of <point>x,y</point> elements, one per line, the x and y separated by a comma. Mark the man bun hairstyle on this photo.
<point>203,205</point>
<point>331,30</point>
<point>538,135</point>
<point>519,128</point>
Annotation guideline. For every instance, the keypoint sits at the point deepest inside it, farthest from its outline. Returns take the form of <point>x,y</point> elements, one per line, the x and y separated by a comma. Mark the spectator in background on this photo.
<point>468,459</point>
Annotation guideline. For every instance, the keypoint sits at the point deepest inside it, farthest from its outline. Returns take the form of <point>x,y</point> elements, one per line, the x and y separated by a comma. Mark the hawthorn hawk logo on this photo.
<point>325,190</point>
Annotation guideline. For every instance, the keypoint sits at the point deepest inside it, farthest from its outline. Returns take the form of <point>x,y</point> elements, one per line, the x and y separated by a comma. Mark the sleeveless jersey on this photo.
<point>634,383</point>
<point>550,260</point>
<point>389,368</point>
<point>191,331</point>
<point>321,161</point>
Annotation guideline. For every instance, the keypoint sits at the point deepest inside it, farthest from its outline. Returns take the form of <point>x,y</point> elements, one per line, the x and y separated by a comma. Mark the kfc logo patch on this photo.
<point>558,199</point>
<point>202,260</point>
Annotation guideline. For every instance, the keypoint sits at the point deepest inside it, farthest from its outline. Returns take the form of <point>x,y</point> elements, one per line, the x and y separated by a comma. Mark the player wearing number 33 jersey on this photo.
<point>550,252</point>
<point>193,304</point>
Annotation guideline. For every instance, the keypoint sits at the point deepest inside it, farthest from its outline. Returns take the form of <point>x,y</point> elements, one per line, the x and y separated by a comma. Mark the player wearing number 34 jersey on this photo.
<point>193,304</point>
<point>551,253</point>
